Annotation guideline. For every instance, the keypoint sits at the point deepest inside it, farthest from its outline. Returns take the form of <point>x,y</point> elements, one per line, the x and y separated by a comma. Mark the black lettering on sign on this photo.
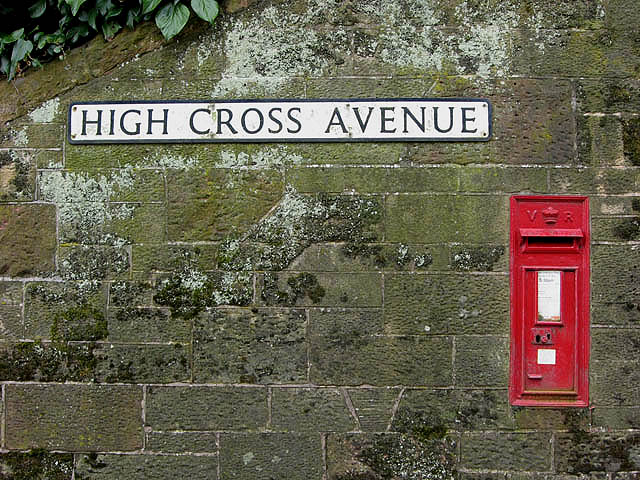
<point>192,125</point>
<point>97,122</point>
<point>275,120</point>
<point>337,123</point>
<point>293,119</point>
<point>164,121</point>
<point>384,119</point>
<point>226,122</point>
<point>243,121</point>
<point>137,124</point>
<point>435,120</point>
<point>363,125</point>
<point>470,119</point>
<point>407,114</point>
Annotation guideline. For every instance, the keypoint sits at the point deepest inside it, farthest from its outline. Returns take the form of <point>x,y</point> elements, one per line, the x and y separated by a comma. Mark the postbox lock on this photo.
<point>542,336</point>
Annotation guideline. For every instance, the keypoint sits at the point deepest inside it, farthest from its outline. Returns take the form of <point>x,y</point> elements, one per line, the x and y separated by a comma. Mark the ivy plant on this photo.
<point>40,30</point>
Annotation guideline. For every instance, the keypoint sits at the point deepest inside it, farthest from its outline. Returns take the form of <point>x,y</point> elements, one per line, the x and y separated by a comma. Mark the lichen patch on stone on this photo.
<point>46,112</point>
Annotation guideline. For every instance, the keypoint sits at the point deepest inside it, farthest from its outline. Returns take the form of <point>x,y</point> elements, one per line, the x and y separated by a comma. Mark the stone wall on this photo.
<point>317,311</point>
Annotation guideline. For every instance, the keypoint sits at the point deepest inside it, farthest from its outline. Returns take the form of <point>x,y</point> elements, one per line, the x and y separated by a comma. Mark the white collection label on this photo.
<point>549,295</point>
<point>546,356</point>
<point>396,119</point>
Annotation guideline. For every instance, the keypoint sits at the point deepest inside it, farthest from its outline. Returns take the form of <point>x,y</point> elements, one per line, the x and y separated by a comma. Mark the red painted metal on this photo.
<point>549,246</point>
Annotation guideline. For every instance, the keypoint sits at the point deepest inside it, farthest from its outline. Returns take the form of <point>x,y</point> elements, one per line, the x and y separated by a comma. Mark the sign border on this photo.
<point>285,140</point>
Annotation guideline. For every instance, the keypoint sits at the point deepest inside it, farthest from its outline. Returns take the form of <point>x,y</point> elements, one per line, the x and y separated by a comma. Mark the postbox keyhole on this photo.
<point>542,336</point>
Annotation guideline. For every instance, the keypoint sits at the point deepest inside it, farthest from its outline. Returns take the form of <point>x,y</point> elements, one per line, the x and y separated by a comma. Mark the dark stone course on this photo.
<point>206,408</point>
<point>250,346</point>
<point>74,417</point>
<point>152,467</point>
<point>582,452</point>
<point>506,451</point>
<point>270,455</point>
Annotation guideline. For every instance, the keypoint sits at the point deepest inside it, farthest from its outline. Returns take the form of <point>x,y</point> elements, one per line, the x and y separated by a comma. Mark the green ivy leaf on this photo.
<point>206,9</point>
<point>149,5</point>
<point>75,5</point>
<point>4,65</point>
<point>104,6</point>
<point>37,9</point>
<point>171,19</point>
<point>91,18</point>
<point>21,49</point>
<point>110,28</point>
<point>13,36</point>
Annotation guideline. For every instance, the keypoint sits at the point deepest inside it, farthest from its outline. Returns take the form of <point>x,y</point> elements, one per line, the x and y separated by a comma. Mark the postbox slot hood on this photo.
<point>551,232</point>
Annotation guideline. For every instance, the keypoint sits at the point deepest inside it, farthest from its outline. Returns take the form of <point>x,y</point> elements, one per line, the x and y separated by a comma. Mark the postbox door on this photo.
<point>549,330</point>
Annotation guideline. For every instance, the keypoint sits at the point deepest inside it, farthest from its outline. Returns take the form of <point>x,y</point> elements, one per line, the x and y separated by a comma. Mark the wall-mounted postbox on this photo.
<point>549,246</point>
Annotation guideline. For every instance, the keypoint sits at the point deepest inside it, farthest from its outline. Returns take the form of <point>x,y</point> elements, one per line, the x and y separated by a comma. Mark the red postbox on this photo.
<point>549,246</point>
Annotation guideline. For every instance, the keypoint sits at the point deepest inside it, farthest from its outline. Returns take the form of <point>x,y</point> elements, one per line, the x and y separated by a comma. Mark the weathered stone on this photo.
<point>551,418</point>
<point>433,410</point>
<point>446,218</point>
<point>37,464</point>
<point>503,179</point>
<point>617,418</point>
<point>600,141</point>
<point>47,301</point>
<point>532,124</point>
<point>594,180</point>
<point>487,258</point>
<point>17,175</point>
<point>506,451</point>
<point>389,456</point>
<point>615,383</point>
<point>147,186</point>
<point>616,229</point>
<point>152,467</point>
<point>374,407</point>
<point>609,344</point>
<point>325,289</point>
<point>181,442</point>
<point>206,408</point>
<point>11,324</point>
<point>621,314</point>
<point>372,180</point>
<point>445,304</point>
<point>571,53</point>
<point>310,410</point>
<point>27,240</point>
<point>270,455</point>
<point>152,258</point>
<point>74,417</point>
<point>147,224</point>
<point>125,294</point>
<point>119,363</point>
<point>345,350</point>
<point>238,345</point>
<point>11,293</point>
<point>615,274</point>
<point>349,153</point>
<point>608,95</point>
<point>581,452</point>
<point>144,324</point>
<point>356,257</point>
<point>614,205</point>
<point>207,205</point>
<point>482,361</point>
<point>96,263</point>
<point>34,136</point>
